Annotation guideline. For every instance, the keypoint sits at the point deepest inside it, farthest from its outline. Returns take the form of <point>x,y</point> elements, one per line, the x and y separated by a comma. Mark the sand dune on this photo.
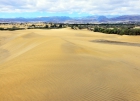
<point>65,65</point>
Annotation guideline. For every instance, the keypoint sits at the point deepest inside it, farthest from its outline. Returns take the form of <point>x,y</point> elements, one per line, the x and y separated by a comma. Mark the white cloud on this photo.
<point>87,6</point>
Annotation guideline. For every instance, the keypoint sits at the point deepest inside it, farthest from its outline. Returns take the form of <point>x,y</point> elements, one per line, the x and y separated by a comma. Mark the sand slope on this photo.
<point>68,65</point>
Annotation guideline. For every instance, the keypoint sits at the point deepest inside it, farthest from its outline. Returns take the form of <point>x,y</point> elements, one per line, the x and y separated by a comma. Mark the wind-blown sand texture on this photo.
<point>68,65</point>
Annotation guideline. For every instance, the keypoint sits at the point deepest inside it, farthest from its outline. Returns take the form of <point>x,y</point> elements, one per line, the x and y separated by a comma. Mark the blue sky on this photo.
<point>40,14</point>
<point>72,8</point>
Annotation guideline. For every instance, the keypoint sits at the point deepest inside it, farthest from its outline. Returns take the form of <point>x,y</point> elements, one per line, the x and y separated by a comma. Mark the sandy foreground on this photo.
<point>68,65</point>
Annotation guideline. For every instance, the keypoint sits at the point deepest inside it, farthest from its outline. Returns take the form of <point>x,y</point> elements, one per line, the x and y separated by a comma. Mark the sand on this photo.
<point>68,65</point>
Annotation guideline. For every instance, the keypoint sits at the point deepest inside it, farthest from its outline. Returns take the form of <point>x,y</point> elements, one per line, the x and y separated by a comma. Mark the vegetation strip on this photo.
<point>120,29</point>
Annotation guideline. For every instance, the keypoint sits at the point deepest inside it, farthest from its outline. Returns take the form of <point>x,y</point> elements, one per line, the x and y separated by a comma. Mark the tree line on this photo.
<point>120,31</point>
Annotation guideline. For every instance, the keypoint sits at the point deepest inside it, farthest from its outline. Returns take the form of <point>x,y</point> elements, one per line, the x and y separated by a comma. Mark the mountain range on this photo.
<point>66,19</point>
